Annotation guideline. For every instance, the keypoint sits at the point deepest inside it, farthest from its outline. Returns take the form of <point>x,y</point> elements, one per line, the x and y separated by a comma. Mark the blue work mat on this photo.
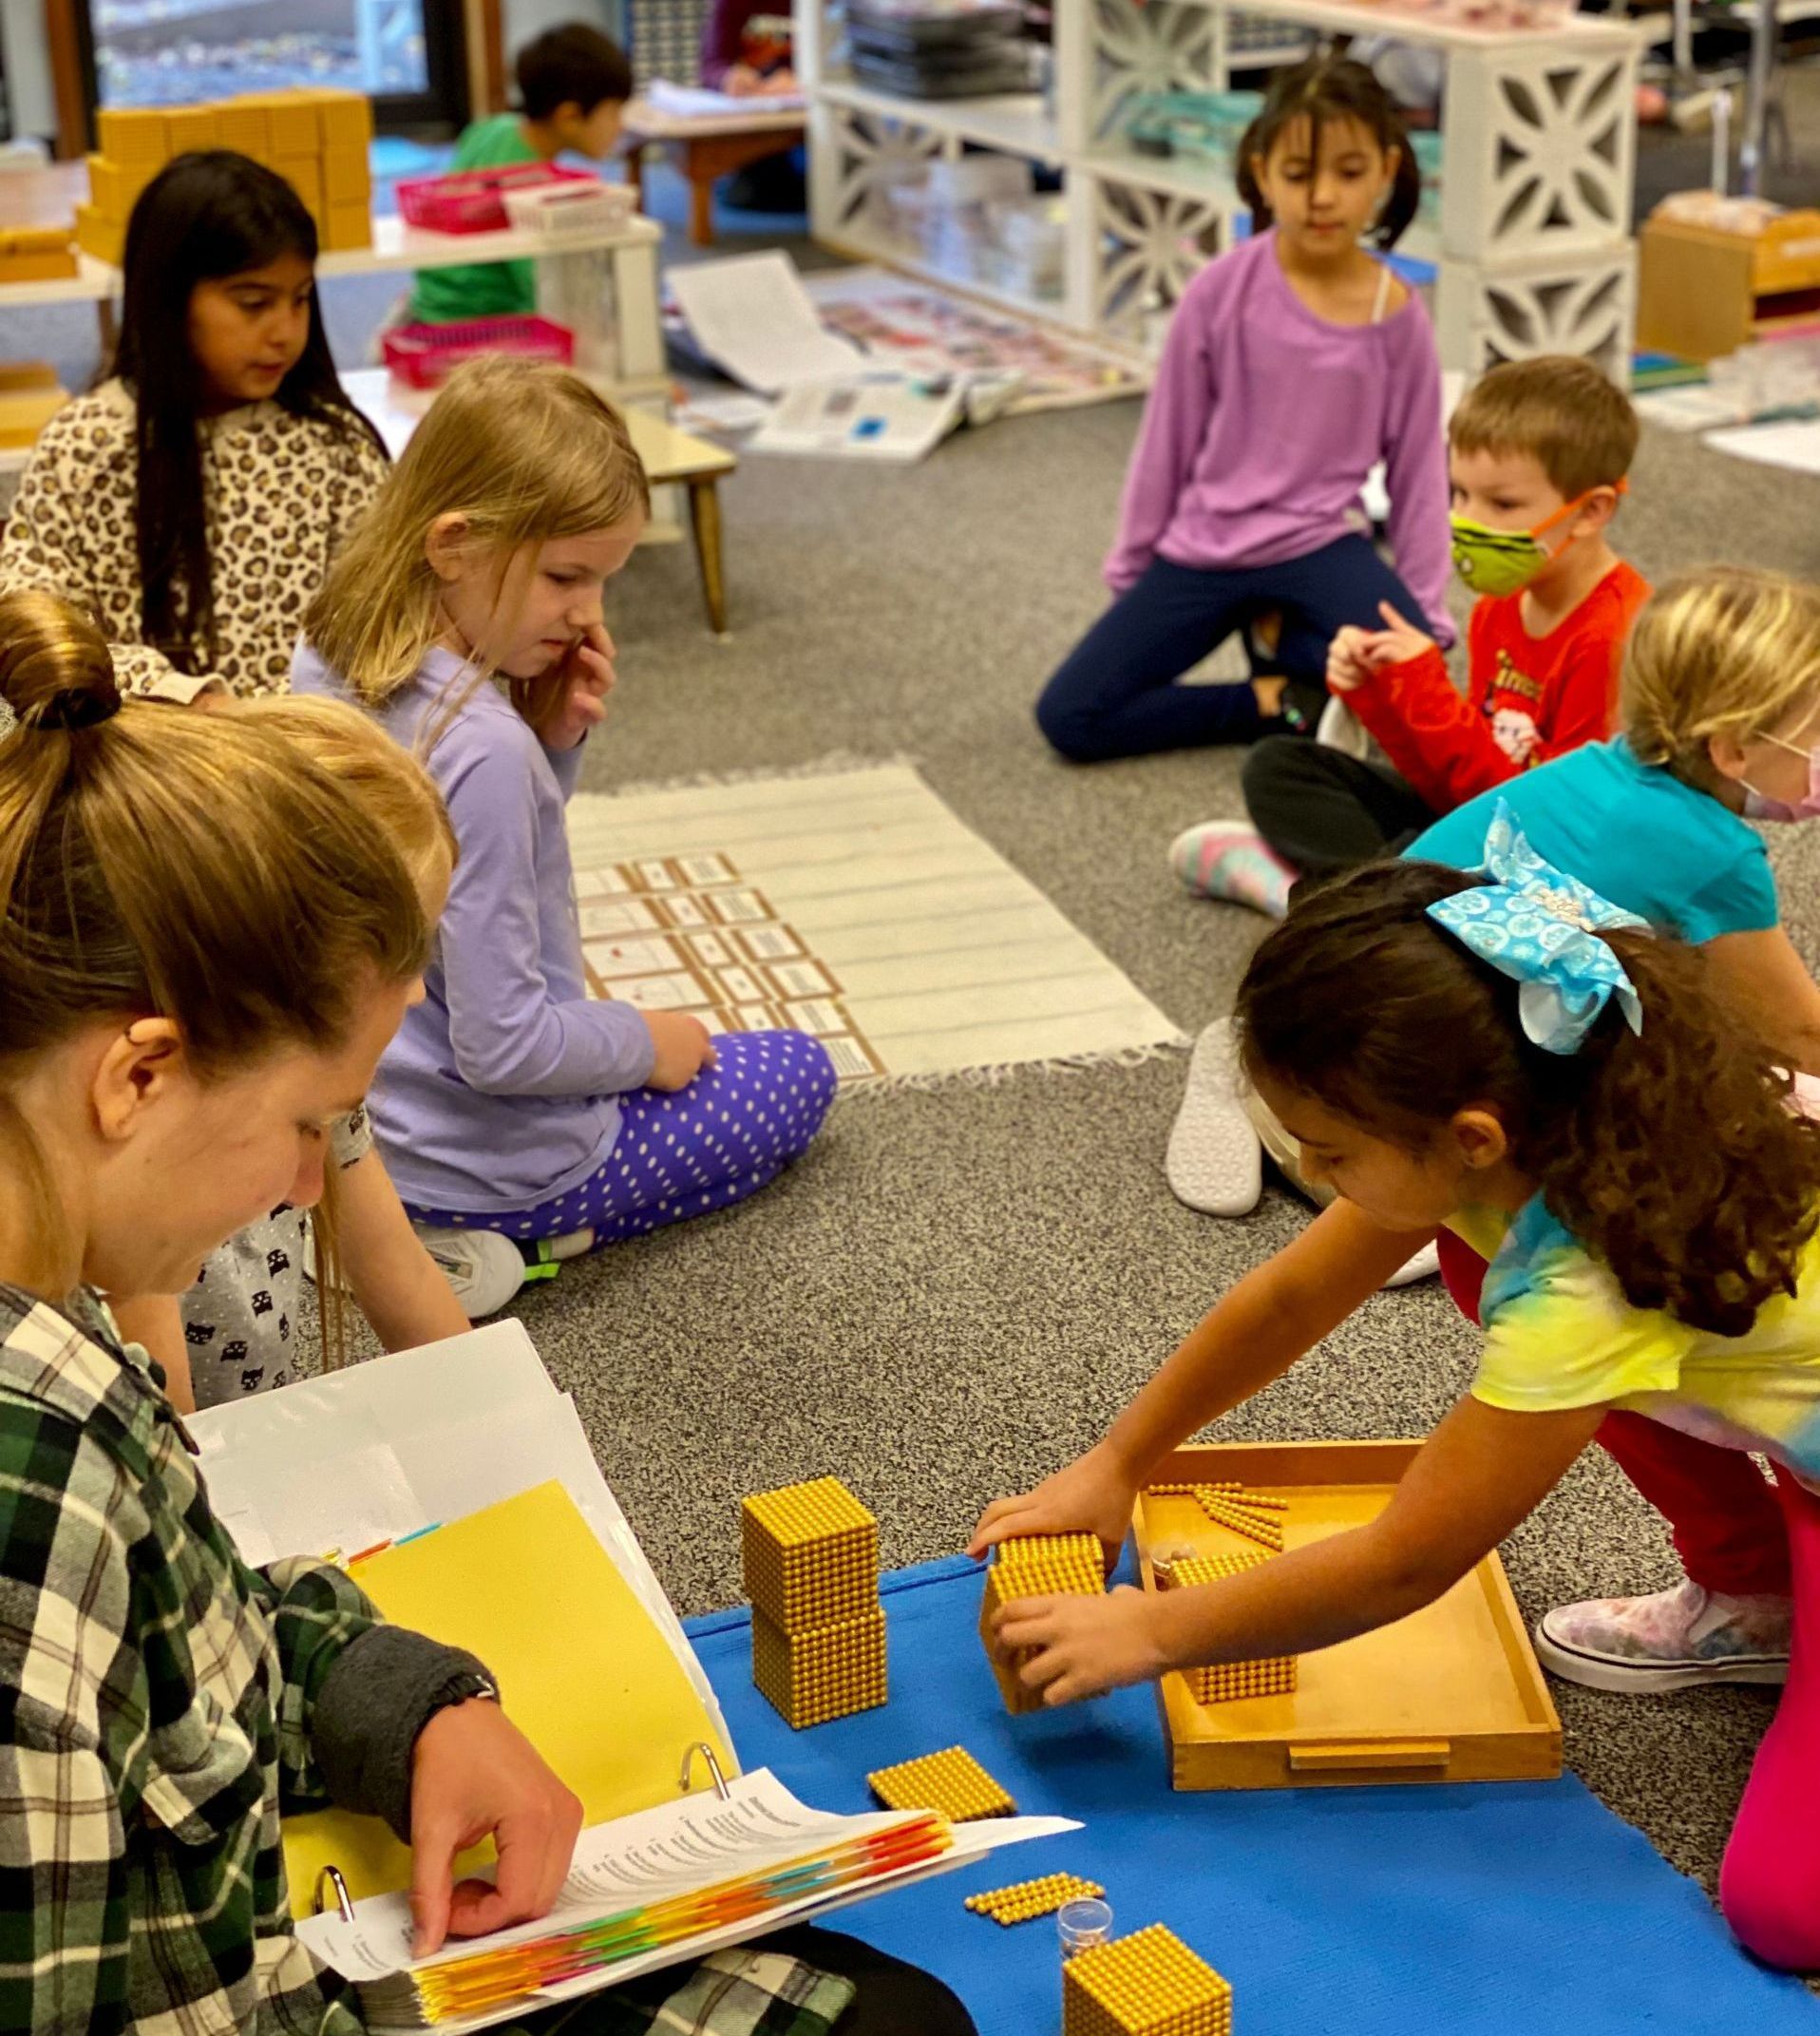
<point>1499,1909</point>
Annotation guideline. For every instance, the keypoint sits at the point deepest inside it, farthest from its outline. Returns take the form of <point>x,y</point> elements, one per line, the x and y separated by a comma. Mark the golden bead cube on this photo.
<point>1037,1565</point>
<point>822,1672</point>
<point>1149,1983</point>
<point>810,1555</point>
<point>951,1781</point>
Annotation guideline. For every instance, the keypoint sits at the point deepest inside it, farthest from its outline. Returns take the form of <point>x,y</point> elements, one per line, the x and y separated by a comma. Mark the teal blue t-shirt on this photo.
<point>1631,830</point>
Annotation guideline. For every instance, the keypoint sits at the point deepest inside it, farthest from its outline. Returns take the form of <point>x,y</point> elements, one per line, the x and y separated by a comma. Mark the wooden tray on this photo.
<point>1453,1693</point>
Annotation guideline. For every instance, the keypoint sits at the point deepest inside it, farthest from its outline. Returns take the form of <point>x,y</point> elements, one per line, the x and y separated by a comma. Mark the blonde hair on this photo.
<point>189,865</point>
<point>522,452</point>
<point>387,781</point>
<point>1725,650</point>
<point>395,789</point>
<point>1560,410</point>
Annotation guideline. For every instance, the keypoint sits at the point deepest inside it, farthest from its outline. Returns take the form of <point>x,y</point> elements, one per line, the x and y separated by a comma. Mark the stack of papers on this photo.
<point>752,318</point>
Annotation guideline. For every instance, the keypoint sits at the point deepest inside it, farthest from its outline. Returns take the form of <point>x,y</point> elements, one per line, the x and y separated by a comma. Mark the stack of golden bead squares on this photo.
<point>1259,1518</point>
<point>1037,1565</point>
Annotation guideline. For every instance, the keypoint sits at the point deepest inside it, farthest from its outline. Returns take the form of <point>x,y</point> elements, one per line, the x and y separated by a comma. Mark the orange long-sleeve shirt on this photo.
<point>1528,698</point>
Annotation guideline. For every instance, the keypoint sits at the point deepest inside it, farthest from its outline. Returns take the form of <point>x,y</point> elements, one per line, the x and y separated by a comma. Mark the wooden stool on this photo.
<point>671,456</point>
<point>706,147</point>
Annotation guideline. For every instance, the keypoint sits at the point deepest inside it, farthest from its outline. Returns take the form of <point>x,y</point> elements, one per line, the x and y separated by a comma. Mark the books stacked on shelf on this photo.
<point>940,49</point>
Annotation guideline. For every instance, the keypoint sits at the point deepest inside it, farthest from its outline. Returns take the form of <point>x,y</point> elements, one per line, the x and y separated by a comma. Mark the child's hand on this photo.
<point>684,1048</point>
<point>1080,1647</point>
<point>1090,1497</point>
<point>1398,643</point>
<point>588,667</point>
<point>1347,665</point>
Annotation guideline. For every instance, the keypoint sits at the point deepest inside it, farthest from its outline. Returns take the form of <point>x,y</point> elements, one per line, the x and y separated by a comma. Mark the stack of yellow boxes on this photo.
<point>318,140</point>
<point>1036,1565</point>
<point>812,1563</point>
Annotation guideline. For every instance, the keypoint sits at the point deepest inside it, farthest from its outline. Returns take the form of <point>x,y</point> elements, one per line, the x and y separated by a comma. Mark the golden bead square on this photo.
<point>1232,1682</point>
<point>951,1781</point>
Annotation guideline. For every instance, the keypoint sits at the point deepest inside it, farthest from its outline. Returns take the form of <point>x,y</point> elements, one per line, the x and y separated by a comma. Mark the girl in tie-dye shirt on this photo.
<point>1615,1138</point>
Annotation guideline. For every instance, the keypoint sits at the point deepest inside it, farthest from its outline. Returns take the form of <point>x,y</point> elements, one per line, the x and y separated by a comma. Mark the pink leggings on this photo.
<point>1737,1533</point>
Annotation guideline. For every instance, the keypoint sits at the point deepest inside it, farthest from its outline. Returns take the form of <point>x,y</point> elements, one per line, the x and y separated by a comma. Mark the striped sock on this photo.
<point>1228,859</point>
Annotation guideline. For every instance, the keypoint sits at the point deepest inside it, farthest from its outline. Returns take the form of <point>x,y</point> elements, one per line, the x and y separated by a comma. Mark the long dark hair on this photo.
<point>1322,88</point>
<point>1670,1153</point>
<point>202,218</point>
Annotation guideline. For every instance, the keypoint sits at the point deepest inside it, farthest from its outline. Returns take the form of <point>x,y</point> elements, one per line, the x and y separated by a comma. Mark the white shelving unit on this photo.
<point>1532,246</point>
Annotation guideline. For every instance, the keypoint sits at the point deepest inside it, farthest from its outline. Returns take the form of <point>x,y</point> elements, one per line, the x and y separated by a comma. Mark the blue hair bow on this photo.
<point>1542,929</point>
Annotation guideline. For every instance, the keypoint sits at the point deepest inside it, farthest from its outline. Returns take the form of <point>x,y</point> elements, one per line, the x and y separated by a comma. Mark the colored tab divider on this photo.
<point>473,1986</point>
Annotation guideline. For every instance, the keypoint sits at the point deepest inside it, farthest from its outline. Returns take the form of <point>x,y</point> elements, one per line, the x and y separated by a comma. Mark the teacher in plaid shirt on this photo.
<point>204,944</point>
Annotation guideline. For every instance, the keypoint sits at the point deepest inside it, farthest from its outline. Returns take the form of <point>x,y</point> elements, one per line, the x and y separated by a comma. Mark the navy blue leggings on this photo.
<point>1115,694</point>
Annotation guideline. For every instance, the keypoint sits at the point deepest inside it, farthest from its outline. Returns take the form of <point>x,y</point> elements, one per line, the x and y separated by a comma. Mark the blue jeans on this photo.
<point>1115,694</point>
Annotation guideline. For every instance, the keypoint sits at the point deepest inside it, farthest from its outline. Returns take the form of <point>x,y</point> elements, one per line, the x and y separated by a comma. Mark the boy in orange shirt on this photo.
<point>1538,455</point>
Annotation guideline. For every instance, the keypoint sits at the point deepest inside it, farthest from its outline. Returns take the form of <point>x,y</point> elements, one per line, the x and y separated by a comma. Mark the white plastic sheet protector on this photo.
<point>341,1463</point>
<point>752,316</point>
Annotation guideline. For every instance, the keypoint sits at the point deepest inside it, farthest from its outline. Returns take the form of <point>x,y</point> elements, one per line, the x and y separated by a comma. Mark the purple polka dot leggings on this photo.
<point>731,1132</point>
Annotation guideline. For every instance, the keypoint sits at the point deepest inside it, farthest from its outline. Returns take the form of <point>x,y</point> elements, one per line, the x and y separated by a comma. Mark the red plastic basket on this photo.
<point>473,201</point>
<point>424,356</point>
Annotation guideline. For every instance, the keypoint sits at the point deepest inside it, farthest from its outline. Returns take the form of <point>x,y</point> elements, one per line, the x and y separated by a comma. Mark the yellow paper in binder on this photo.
<point>585,1672</point>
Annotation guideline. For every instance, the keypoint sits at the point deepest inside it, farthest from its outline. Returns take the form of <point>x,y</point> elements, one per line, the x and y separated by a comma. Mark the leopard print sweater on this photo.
<point>282,493</point>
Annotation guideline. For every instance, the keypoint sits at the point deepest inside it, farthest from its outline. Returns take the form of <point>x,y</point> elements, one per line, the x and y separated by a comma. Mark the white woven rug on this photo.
<point>849,903</point>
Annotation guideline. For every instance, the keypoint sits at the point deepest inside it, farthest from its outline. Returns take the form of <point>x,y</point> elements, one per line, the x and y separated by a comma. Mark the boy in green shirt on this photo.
<point>574,84</point>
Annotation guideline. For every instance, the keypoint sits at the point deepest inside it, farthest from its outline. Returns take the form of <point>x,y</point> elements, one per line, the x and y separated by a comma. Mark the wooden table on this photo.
<point>707,147</point>
<point>670,457</point>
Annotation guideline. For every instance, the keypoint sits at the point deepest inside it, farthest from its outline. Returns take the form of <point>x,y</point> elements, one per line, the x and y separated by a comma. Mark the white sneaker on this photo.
<point>1215,1162</point>
<point>1424,1266</point>
<point>1670,1640</point>
<point>484,1269</point>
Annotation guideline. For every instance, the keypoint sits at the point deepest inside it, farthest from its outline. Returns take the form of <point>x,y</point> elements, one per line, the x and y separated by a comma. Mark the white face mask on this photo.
<point>1758,806</point>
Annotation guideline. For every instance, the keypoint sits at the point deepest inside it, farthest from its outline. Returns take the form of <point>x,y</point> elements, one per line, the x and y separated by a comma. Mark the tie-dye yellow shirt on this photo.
<point>1559,1333</point>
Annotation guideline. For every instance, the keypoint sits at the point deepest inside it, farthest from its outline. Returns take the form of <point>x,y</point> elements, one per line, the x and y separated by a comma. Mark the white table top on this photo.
<point>668,454</point>
<point>644,123</point>
<point>395,246</point>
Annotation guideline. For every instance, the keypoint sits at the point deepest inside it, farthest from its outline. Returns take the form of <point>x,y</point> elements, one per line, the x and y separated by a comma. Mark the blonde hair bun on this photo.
<point>56,672</point>
<point>1725,650</point>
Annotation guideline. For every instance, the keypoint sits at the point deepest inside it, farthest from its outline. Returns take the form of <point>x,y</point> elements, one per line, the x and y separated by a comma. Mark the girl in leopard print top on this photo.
<point>194,501</point>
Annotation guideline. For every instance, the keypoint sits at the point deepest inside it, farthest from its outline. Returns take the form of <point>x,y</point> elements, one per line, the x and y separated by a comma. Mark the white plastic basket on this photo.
<point>558,210</point>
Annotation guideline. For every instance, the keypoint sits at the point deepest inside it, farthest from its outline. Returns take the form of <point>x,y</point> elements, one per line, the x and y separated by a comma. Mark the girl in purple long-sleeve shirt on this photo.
<point>465,613</point>
<point>1294,364</point>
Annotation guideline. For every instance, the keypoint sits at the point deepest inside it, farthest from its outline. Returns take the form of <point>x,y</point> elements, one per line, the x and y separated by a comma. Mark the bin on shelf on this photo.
<point>424,356</point>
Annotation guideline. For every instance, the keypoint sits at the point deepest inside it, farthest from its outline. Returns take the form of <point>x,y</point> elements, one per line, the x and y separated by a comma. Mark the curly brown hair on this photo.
<point>1670,1154</point>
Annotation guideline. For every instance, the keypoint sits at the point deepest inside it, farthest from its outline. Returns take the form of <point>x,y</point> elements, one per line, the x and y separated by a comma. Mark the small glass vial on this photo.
<point>1080,1925</point>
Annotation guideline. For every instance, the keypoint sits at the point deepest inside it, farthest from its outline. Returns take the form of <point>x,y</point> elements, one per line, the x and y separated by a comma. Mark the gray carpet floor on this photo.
<point>957,1288</point>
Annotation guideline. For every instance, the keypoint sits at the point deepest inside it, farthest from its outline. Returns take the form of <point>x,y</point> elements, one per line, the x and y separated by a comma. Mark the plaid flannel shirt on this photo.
<point>156,1707</point>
